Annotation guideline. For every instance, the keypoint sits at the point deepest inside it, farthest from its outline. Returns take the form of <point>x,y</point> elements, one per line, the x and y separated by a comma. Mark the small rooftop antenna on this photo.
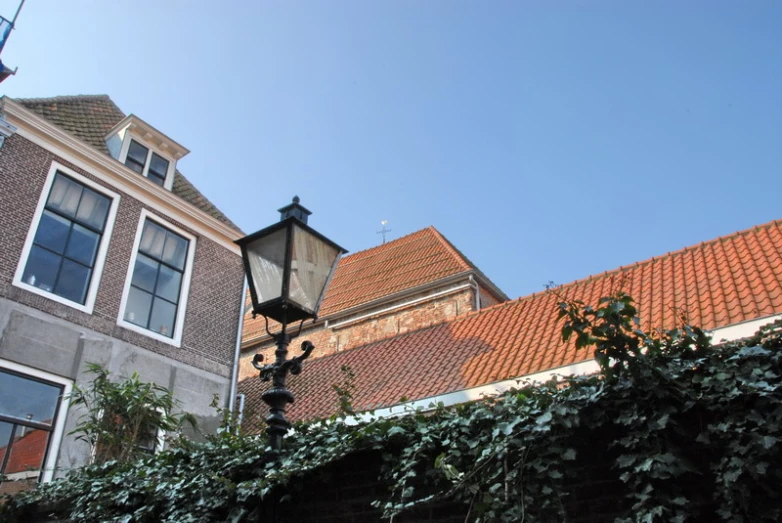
<point>383,231</point>
<point>5,31</point>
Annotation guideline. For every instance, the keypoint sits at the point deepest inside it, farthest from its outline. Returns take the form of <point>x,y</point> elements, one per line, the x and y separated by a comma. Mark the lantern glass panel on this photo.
<point>266,257</point>
<point>311,262</point>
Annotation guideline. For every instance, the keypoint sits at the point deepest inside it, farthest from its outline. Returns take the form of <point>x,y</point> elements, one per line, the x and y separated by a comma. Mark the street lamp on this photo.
<point>288,267</point>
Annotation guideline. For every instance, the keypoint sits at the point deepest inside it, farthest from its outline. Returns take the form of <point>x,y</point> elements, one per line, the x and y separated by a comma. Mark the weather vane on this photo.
<point>383,231</point>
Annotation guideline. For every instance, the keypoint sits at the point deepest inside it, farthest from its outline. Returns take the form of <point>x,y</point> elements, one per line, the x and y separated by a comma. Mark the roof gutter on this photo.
<point>445,292</point>
<point>326,320</point>
<point>477,291</point>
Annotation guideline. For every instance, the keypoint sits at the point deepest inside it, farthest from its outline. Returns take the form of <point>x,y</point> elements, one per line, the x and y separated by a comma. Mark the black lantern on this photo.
<point>288,267</point>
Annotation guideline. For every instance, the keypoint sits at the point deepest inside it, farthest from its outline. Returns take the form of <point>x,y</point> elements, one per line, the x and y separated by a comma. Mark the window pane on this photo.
<point>168,284</point>
<point>148,439</point>
<point>41,269</point>
<point>137,152</point>
<point>82,245</point>
<point>5,439</point>
<point>175,251</point>
<point>158,165</point>
<point>162,319</point>
<point>73,281</point>
<point>155,178</point>
<point>138,167</point>
<point>27,453</point>
<point>145,273</point>
<point>137,309</point>
<point>28,399</point>
<point>52,232</point>
<point>93,209</point>
<point>65,195</point>
<point>266,257</point>
<point>152,239</point>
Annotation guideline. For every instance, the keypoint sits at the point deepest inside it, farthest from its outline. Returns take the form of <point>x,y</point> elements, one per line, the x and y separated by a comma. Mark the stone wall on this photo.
<point>373,325</point>
<point>43,342</point>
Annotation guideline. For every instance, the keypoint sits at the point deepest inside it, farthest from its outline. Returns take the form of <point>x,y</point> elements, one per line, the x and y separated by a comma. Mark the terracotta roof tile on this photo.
<point>725,281</point>
<point>417,259</point>
<point>90,118</point>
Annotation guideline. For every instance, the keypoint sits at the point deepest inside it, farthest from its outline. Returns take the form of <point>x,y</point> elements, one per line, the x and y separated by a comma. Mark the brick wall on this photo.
<point>487,299</point>
<point>354,331</point>
<point>211,318</point>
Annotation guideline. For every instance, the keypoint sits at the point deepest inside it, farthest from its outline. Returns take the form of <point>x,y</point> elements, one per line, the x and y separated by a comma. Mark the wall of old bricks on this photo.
<point>371,326</point>
<point>214,303</point>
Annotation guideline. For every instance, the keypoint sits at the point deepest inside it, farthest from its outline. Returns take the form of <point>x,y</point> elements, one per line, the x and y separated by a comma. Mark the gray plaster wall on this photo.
<point>43,342</point>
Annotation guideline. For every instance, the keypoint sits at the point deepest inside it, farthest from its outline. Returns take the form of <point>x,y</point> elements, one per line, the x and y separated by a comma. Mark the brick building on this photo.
<point>108,254</point>
<point>729,286</point>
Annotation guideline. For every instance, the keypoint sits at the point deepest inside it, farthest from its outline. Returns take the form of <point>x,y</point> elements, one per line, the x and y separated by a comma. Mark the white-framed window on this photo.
<point>150,442</point>
<point>33,406</point>
<point>143,159</point>
<point>154,300</point>
<point>153,441</point>
<point>67,242</point>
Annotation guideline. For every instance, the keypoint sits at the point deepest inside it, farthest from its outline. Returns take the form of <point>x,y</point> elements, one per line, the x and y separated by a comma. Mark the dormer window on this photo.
<point>147,163</point>
<point>145,150</point>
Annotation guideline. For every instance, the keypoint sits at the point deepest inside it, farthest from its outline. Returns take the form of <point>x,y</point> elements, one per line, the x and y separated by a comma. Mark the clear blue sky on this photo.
<point>546,140</point>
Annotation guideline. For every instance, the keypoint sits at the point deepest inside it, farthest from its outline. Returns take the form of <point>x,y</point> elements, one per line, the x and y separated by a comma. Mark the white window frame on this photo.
<point>123,155</point>
<point>184,292</point>
<point>50,461</point>
<point>103,248</point>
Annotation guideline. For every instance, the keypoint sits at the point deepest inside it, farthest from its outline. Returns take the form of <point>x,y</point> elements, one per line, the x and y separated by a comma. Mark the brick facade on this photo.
<point>365,327</point>
<point>211,318</point>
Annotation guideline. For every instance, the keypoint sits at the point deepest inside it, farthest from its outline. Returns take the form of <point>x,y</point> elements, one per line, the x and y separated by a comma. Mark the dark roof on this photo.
<point>722,282</point>
<point>90,118</point>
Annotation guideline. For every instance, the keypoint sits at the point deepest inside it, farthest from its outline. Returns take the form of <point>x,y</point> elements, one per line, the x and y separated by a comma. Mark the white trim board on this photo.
<point>103,248</point>
<point>58,430</point>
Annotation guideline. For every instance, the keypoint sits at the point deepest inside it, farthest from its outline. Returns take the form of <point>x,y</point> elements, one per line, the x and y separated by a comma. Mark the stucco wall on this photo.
<point>40,341</point>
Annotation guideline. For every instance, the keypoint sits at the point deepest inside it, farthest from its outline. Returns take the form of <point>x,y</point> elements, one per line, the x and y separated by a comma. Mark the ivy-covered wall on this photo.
<point>673,430</point>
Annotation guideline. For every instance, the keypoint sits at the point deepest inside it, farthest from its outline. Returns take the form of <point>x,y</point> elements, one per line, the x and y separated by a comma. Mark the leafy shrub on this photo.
<point>683,430</point>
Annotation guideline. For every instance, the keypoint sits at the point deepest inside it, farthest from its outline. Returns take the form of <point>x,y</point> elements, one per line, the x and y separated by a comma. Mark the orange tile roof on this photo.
<point>406,263</point>
<point>718,283</point>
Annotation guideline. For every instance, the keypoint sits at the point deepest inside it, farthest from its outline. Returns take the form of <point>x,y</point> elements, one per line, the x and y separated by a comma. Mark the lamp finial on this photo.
<point>295,209</point>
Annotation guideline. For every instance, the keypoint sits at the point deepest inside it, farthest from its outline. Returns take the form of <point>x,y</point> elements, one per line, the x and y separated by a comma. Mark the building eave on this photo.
<point>58,141</point>
<point>375,304</point>
<point>141,127</point>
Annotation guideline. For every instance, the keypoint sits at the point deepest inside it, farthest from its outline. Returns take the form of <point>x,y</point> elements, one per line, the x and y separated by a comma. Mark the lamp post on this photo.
<point>288,267</point>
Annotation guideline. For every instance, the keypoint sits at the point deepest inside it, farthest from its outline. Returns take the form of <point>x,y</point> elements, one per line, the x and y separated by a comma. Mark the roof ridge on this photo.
<point>469,265</point>
<point>385,245</point>
<point>669,254</point>
<point>65,98</point>
<point>70,99</point>
<point>464,261</point>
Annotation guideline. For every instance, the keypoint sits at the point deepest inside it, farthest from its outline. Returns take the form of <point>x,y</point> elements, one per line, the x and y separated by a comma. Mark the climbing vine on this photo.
<point>679,429</point>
